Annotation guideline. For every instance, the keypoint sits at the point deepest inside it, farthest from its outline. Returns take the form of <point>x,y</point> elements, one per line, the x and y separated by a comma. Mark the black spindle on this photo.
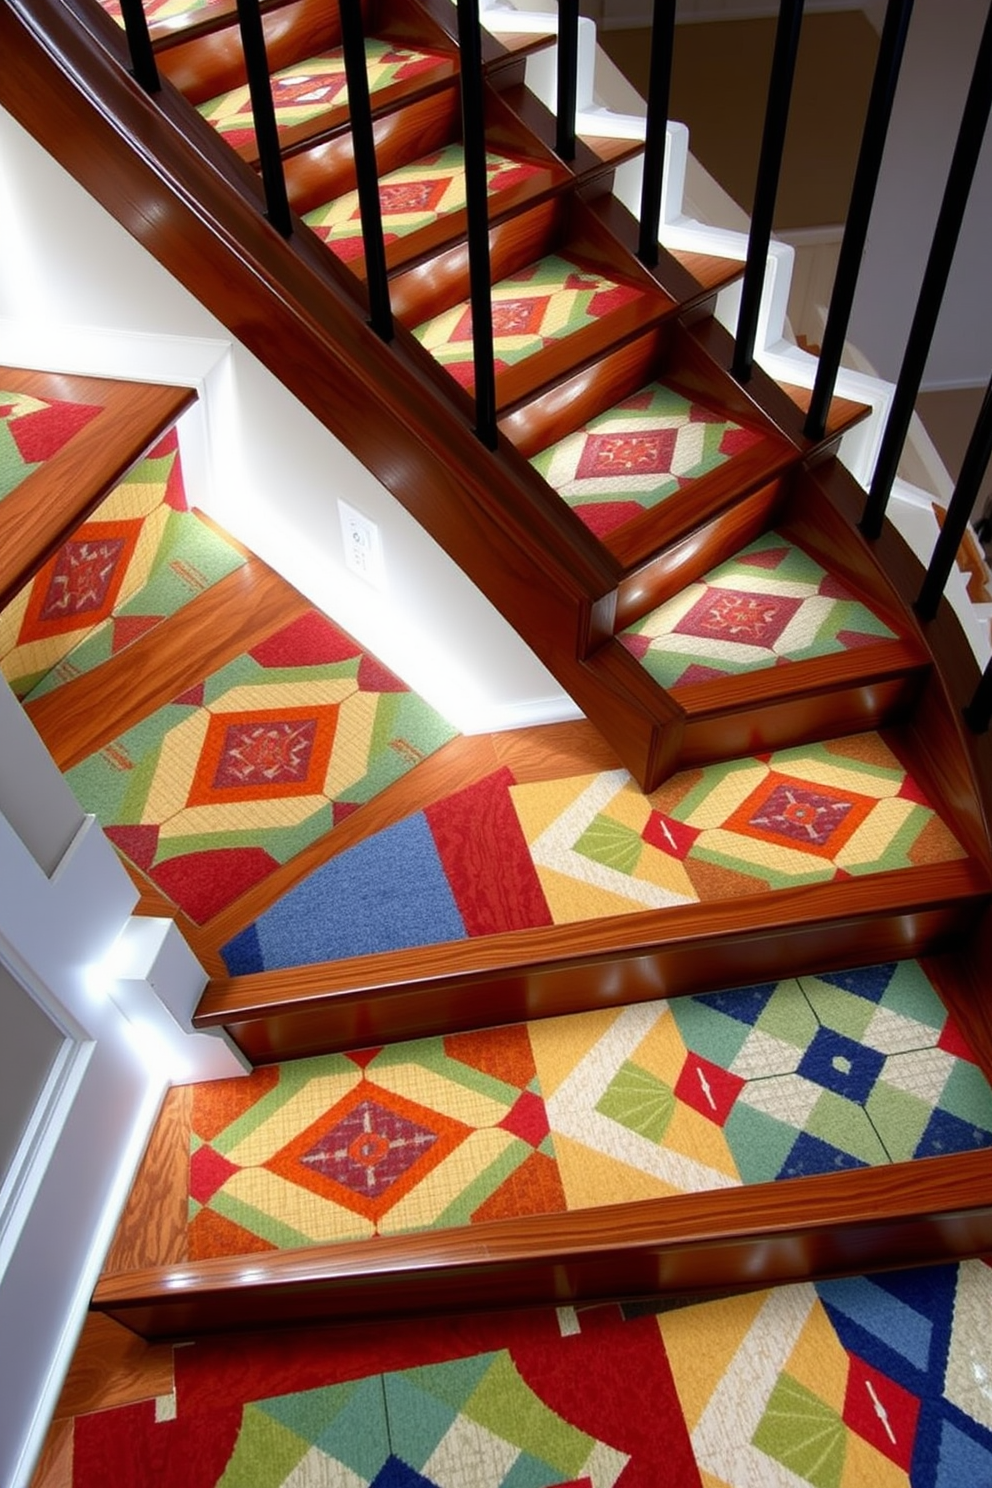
<point>859,212</point>
<point>960,507</point>
<point>790,17</point>
<point>477,207</point>
<point>568,69</point>
<point>659,87</point>
<point>978,714</point>
<point>264,117</point>
<point>140,43</point>
<point>366,170</point>
<point>952,209</point>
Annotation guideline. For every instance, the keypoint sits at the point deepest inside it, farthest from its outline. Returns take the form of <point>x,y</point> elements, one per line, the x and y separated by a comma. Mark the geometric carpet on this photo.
<point>769,604</point>
<point>540,304</point>
<point>637,454</point>
<point>872,1380</point>
<point>33,430</point>
<point>250,765</point>
<point>140,557</point>
<point>305,90</point>
<point>753,1085</point>
<point>590,846</point>
<point>412,197</point>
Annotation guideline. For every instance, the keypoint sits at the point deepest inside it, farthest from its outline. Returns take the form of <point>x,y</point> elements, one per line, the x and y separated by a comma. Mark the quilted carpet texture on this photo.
<point>247,767</point>
<point>636,455</point>
<point>879,1380</point>
<point>589,846</point>
<point>413,197</point>
<point>771,603</point>
<point>32,430</point>
<point>547,301</point>
<point>141,557</point>
<point>307,89</point>
<point>805,1076</point>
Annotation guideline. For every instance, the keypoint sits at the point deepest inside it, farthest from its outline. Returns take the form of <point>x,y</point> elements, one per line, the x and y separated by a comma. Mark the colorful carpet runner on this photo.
<point>141,557</point>
<point>313,87</point>
<point>33,430</point>
<point>413,197</point>
<point>769,604</point>
<point>845,1070</point>
<point>633,457</point>
<point>546,302</point>
<point>165,10</point>
<point>875,1380</point>
<point>590,846</point>
<point>246,768</point>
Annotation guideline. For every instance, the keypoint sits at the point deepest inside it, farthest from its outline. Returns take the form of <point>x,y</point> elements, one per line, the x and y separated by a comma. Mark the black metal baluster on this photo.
<point>264,117</point>
<point>142,56</point>
<point>477,206</point>
<point>769,165</point>
<point>973,468</point>
<point>366,170</point>
<point>568,69</point>
<point>659,87</point>
<point>978,714</point>
<point>952,209</point>
<point>859,212</point>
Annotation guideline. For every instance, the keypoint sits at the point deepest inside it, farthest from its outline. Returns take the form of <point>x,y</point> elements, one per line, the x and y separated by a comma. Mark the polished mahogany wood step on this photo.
<point>934,1209</point>
<point>506,978</point>
<point>42,511</point>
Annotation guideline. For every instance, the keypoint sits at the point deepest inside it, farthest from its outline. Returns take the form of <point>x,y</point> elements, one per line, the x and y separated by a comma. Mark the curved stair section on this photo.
<point>589,581</point>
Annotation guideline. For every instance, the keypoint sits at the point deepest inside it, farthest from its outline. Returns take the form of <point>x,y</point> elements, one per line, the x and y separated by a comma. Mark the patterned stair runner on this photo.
<point>33,430</point>
<point>591,846</point>
<point>412,198</point>
<point>307,89</point>
<point>141,557</point>
<point>844,1070</point>
<point>247,767</point>
<point>544,303</point>
<point>868,1380</point>
<point>769,604</point>
<point>633,457</point>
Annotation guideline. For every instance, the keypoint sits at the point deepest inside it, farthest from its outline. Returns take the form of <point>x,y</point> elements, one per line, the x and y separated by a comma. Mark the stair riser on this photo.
<point>577,968</point>
<point>758,1236</point>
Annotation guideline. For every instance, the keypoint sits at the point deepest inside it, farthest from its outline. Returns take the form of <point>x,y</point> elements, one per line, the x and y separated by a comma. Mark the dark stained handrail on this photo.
<point>978,714</point>
<point>659,88</point>
<point>960,507</point>
<point>264,117</point>
<point>890,51</point>
<point>568,70</point>
<point>477,207</point>
<point>952,209</point>
<point>366,170</point>
<point>140,44</point>
<point>769,165</point>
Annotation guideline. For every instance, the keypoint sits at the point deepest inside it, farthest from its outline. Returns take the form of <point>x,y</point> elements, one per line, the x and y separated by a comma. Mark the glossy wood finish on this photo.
<point>754,1236</point>
<point>212,629</point>
<point>507,978</point>
<point>75,480</point>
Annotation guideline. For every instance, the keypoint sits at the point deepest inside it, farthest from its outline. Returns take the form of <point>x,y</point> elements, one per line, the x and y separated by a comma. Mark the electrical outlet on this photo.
<point>362,545</point>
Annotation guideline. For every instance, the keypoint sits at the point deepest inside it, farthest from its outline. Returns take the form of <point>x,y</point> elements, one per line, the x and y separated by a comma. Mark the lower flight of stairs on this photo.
<point>603,368</point>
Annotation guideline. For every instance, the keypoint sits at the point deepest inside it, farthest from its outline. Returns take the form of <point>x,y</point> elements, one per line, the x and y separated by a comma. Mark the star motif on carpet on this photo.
<point>755,619</point>
<point>82,579</point>
<point>650,453</point>
<point>370,1149</point>
<point>270,752</point>
<point>801,814</point>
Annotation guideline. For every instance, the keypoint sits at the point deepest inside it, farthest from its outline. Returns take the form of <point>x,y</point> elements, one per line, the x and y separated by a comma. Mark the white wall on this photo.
<point>77,293</point>
<point>940,54</point>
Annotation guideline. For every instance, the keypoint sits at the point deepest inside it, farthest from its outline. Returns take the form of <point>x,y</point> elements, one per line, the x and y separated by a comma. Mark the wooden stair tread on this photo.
<point>800,1228</point>
<point>425,991</point>
<point>40,514</point>
<point>844,413</point>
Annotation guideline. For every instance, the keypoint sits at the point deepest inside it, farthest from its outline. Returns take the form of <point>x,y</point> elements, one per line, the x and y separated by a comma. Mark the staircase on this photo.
<point>680,556</point>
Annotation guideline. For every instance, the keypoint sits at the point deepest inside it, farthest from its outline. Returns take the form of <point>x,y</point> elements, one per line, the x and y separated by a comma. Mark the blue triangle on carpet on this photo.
<point>395,1473</point>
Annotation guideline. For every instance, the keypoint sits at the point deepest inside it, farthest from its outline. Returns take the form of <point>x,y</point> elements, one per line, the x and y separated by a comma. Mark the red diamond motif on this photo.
<point>881,1412</point>
<point>527,1119</point>
<point>84,576</point>
<point>519,317</point>
<point>268,753</point>
<point>708,1089</point>
<point>668,835</point>
<point>801,814</point>
<point>412,196</point>
<point>626,454</point>
<point>370,1149</point>
<point>750,619</point>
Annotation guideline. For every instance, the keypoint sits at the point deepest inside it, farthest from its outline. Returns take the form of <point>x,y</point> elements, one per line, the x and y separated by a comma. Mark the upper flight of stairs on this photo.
<point>607,366</point>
